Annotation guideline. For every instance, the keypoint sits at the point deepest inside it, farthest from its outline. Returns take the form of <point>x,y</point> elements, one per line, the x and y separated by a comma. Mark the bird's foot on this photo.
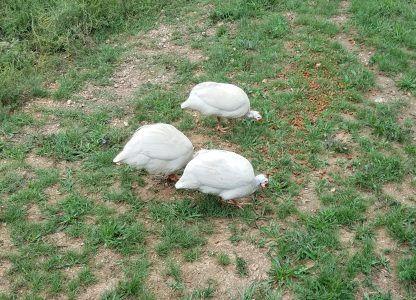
<point>237,204</point>
<point>233,202</point>
<point>221,129</point>
<point>173,178</point>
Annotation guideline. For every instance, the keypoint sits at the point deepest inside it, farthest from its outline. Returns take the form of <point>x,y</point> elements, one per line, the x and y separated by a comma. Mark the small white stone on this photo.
<point>333,189</point>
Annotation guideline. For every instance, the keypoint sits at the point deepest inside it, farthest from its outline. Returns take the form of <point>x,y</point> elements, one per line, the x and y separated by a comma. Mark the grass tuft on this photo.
<point>223,259</point>
<point>241,266</point>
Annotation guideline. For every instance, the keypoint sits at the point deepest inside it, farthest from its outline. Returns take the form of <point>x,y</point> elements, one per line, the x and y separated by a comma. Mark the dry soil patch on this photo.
<point>155,187</point>
<point>39,162</point>
<point>386,279</point>
<point>404,191</point>
<point>65,242</point>
<point>53,194</point>
<point>106,268</point>
<point>308,200</point>
<point>6,247</point>
<point>34,214</point>
<point>227,281</point>
<point>346,237</point>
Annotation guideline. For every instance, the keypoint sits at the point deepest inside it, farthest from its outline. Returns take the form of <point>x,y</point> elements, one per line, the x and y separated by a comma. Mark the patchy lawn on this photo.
<point>335,83</point>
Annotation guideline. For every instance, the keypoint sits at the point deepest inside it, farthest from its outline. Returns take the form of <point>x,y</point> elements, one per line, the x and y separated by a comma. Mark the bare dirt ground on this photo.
<point>206,270</point>
<point>6,247</point>
<point>383,278</point>
<point>106,268</point>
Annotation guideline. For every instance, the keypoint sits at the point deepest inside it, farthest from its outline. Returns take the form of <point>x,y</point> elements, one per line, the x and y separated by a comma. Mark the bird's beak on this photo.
<point>261,121</point>
<point>264,185</point>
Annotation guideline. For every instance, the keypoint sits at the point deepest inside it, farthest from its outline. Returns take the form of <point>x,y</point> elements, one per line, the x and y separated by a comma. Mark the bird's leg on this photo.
<point>223,202</point>
<point>232,202</point>
<point>236,203</point>
<point>219,127</point>
<point>173,178</point>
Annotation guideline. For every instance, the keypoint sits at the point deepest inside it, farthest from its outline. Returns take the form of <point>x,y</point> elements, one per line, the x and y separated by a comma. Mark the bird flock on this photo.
<point>162,149</point>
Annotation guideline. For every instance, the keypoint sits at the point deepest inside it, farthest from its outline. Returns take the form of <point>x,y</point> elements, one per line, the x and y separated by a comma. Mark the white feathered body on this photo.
<point>219,172</point>
<point>158,148</point>
<point>218,99</point>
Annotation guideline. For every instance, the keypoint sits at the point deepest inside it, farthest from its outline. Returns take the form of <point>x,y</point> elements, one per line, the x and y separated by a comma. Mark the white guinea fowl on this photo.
<point>221,100</point>
<point>222,173</point>
<point>158,148</point>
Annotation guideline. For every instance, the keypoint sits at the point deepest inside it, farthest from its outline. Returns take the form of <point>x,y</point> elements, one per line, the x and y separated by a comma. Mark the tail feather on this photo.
<point>185,104</point>
<point>199,152</point>
<point>120,157</point>
<point>187,183</point>
<point>179,185</point>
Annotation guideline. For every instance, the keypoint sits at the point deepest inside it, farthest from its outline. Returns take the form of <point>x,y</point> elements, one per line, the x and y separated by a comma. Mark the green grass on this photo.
<point>174,271</point>
<point>41,39</point>
<point>387,25</point>
<point>241,266</point>
<point>330,152</point>
<point>407,268</point>
<point>203,293</point>
<point>377,169</point>
<point>223,259</point>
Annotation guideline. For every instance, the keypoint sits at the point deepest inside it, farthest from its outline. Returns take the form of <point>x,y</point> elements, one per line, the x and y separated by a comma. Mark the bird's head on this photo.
<point>255,115</point>
<point>262,181</point>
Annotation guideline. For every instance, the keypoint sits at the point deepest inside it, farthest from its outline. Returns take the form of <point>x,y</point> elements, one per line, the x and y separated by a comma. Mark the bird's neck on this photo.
<point>256,182</point>
<point>249,115</point>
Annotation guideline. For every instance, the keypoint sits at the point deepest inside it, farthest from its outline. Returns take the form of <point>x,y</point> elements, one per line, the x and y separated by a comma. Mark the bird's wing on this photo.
<point>219,169</point>
<point>160,141</point>
<point>224,97</point>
